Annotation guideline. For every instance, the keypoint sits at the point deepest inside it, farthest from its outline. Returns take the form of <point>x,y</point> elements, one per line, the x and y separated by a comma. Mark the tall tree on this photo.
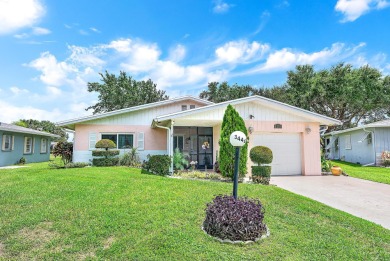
<point>351,95</point>
<point>45,126</point>
<point>232,121</point>
<point>118,92</point>
<point>220,92</point>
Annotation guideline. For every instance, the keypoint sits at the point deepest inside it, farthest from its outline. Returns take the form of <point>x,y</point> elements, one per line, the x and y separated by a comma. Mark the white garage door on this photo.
<point>286,149</point>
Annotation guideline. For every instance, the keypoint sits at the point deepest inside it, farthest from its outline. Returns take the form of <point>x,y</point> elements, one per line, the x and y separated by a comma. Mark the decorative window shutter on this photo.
<point>13,141</point>
<point>33,145</point>
<point>3,143</point>
<point>92,140</point>
<point>141,141</point>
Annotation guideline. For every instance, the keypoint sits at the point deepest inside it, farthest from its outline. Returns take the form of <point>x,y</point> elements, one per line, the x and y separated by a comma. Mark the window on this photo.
<point>184,107</point>
<point>7,142</point>
<point>122,141</point>
<point>178,142</point>
<point>369,138</point>
<point>277,126</point>
<point>192,106</point>
<point>28,145</point>
<point>348,144</point>
<point>336,144</point>
<point>43,145</point>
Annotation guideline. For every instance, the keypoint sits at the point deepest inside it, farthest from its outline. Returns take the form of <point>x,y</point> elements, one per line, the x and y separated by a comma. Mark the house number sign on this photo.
<point>238,139</point>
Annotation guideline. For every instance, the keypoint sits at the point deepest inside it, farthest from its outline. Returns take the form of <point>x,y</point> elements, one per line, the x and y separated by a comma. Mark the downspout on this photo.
<point>373,147</point>
<point>169,141</point>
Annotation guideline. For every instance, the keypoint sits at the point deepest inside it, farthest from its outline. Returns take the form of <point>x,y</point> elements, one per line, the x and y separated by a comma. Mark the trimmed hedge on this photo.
<point>76,165</point>
<point>105,162</point>
<point>105,153</point>
<point>261,155</point>
<point>261,174</point>
<point>105,144</point>
<point>158,164</point>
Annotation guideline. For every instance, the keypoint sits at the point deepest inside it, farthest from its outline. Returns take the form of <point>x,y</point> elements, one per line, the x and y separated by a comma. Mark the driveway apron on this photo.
<point>362,198</point>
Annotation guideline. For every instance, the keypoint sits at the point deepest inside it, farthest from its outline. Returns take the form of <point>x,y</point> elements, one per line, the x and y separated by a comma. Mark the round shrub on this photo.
<point>261,174</point>
<point>105,144</point>
<point>105,153</point>
<point>261,155</point>
<point>234,219</point>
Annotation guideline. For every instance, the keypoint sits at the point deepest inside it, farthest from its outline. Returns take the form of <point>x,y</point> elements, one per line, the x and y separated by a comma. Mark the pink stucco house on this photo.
<point>293,134</point>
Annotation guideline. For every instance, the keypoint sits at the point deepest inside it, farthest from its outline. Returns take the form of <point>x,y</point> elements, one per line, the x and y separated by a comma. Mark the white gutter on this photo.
<point>322,131</point>
<point>169,143</point>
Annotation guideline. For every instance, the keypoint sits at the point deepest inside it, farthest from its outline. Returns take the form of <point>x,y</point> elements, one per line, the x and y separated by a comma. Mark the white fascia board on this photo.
<point>301,112</point>
<point>131,109</point>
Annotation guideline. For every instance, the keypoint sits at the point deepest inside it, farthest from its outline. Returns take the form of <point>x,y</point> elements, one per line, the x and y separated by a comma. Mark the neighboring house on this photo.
<point>362,145</point>
<point>17,142</point>
<point>293,134</point>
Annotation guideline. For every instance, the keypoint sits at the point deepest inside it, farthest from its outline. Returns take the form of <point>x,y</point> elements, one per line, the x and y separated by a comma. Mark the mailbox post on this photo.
<point>237,139</point>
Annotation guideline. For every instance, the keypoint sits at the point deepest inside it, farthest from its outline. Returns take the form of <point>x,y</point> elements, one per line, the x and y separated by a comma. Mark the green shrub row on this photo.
<point>157,164</point>
<point>105,162</point>
<point>261,174</point>
<point>105,153</point>
<point>76,165</point>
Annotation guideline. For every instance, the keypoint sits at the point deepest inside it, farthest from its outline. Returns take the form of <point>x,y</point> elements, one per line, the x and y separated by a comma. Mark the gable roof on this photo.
<point>131,109</point>
<point>378,124</point>
<point>18,129</point>
<point>259,99</point>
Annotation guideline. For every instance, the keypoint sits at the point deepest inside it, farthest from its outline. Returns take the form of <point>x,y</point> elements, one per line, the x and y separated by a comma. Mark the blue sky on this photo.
<point>50,50</point>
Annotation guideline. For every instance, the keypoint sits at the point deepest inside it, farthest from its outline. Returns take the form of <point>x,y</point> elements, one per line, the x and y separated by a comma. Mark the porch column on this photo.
<point>170,146</point>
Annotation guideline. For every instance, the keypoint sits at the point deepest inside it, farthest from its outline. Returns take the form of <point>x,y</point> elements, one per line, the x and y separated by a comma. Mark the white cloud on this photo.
<point>86,56</point>
<point>40,31</point>
<point>53,91</point>
<point>241,51</point>
<point>17,14</point>
<point>177,53</point>
<point>221,7</point>
<point>353,9</point>
<point>17,91</point>
<point>53,72</point>
<point>93,29</point>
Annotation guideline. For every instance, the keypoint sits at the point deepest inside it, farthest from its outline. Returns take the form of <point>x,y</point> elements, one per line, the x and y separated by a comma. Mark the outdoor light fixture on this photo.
<point>251,116</point>
<point>251,129</point>
<point>308,130</point>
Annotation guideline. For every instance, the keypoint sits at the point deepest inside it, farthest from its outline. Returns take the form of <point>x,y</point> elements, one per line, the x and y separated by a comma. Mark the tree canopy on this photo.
<point>351,95</point>
<point>46,126</point>
<point>118,92</point>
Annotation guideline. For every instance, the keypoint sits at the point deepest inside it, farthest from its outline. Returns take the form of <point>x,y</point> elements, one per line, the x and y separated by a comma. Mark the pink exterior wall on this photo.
<point>311,155</point>
<point>155,139</point>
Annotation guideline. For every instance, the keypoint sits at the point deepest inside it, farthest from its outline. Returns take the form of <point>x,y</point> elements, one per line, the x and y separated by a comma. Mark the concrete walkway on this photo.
<point>361,198</point>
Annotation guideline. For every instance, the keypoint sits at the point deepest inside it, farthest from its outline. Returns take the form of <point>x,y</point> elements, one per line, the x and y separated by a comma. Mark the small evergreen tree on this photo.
<point>232,121</point>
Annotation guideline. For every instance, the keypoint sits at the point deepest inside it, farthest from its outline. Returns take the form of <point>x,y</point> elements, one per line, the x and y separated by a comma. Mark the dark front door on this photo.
<point>205,151</point>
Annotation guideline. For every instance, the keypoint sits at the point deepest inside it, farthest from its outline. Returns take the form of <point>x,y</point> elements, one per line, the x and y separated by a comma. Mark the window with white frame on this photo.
<point>348,144</point>
<point>43,145</point>
<point>178,142</point>
<point>122,141</point>
<point>192,106</point>
<point>28,145</point>
<point>184,107</point>
<point>7,143</point>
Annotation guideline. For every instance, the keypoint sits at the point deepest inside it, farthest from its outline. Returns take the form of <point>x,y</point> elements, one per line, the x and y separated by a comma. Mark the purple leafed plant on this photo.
<point>234,219</point>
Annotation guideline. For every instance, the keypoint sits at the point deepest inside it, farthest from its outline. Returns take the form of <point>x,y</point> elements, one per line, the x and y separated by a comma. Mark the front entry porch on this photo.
<point>196,143</point>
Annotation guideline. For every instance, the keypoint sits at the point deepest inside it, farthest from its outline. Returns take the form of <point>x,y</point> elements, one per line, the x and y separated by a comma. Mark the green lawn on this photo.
<point>119,213</point>
<point>376,174</point>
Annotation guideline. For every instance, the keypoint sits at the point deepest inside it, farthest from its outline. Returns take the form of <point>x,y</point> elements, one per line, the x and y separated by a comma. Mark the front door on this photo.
<point>205,151</point>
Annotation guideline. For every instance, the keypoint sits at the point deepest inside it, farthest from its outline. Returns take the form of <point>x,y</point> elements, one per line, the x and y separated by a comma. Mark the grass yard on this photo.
<point>120,214</point>
<point>376,174</point>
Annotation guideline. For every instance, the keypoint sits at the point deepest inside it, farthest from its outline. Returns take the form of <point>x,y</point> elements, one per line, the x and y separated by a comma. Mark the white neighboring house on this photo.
<point>362,145</point>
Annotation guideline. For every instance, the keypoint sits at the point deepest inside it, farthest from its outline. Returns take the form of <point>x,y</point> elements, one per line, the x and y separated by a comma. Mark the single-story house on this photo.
<point>17,142</point>
<point>363,144</point>
<point>293,134</point>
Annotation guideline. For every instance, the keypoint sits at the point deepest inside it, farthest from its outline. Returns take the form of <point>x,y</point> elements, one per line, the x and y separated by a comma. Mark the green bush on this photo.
<point>76,165</point>
<point>158,164</point>
<point>179,162</point>
<point>386,163</point>
<point>130,159</point>
<point>105,153</point>
<point>105,144</point>
<point>261,174</point>
<point>63,149</point>
<point>22,161</point>
<point>261,155</point>
<point>105,162</point>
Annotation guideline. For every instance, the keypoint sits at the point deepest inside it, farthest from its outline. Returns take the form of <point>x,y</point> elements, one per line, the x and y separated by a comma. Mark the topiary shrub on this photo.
<point>235,219</point>
<point>261,155</point>
<point>157,164</point>
<point>105,162</point>
<point>105,153</point>
<point>105,144</point>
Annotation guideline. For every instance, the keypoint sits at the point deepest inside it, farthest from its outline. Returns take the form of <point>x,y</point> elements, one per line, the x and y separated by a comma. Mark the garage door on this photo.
<point>286,149</point>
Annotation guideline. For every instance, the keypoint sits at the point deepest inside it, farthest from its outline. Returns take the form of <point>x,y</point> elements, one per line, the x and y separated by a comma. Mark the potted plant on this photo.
<point>336,170</point>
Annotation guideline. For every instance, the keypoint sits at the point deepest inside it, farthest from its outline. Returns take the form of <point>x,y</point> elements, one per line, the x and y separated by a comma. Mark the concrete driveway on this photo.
<point>361,198</point>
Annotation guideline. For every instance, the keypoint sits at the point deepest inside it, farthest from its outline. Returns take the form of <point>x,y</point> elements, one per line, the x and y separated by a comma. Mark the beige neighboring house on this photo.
<point>293,134</point>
